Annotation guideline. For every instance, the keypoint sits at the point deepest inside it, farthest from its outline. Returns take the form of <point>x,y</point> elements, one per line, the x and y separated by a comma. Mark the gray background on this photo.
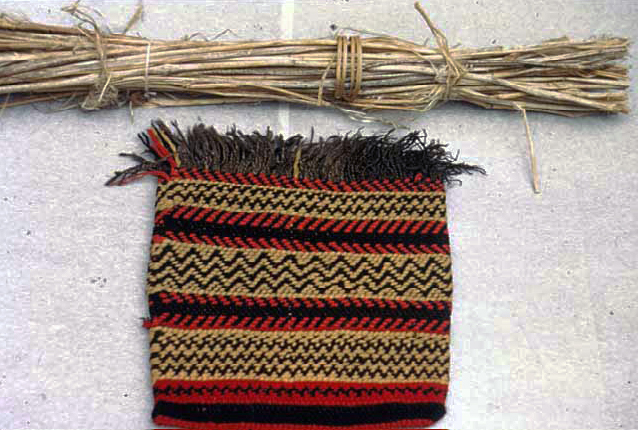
<point>545,321</point>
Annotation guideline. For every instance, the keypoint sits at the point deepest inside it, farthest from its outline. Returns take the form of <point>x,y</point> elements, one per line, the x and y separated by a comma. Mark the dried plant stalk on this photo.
<point>92,69</point>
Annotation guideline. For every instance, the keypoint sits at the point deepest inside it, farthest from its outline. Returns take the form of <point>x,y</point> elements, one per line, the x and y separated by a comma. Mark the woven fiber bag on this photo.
<point>296,284</point>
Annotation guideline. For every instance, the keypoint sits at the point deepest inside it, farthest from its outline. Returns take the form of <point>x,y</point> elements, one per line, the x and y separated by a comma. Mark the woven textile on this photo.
<point>288,302</point>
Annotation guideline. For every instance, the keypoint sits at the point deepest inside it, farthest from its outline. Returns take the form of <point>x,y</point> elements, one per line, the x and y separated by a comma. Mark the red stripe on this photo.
<point>190,213</point>
<point>213,216</point>
<point>257,221</point>
<point>384,226</point>
<point>394,226</point>
<point>197,174</point>
<point>179,212</point>
<point>202,213</point>
<point>300,324</point>
<point>341,225</point>
<point>167,421</point>
<point>362,224</point>
<point>269,219</point>
<point>292,393</point>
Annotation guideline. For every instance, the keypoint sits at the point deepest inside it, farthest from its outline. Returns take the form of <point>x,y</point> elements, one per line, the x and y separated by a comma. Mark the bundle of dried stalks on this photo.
<point>90,68</point>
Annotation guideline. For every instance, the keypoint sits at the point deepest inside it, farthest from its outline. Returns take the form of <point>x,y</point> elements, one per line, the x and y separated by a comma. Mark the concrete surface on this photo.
<point>546,303</point>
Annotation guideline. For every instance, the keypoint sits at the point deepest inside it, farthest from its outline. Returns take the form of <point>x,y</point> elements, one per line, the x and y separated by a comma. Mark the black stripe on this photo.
<point>301,311</point>
<point>225,230</point>
<point>296,414</point>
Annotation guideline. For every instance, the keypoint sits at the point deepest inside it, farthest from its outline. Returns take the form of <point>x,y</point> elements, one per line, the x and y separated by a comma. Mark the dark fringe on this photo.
<point>352,157</point>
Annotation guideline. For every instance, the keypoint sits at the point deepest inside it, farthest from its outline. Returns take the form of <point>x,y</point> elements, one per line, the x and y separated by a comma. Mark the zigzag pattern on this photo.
<point>195,367</point>
<point>416,183</point>
<point>393,346</point>
<point>395,356</point>
<point>411,291</point>
<point>203,368</point>
<point>215,270</point>
<point>230,198</point>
